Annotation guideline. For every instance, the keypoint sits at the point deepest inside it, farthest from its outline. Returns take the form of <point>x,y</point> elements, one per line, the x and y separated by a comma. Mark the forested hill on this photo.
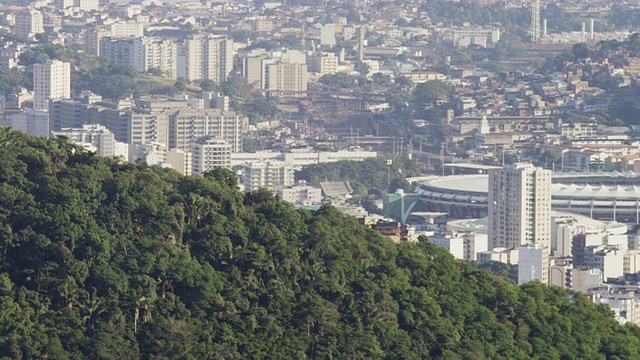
<point>101,260</point>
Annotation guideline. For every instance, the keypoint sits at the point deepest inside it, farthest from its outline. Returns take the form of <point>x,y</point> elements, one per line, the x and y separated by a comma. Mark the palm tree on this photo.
<point>145,304</point>
<point>93,307</point>
<point>196,208</point>
<point>9,137</point>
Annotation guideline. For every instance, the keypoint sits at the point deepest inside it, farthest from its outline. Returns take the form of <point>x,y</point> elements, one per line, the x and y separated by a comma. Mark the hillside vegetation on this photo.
<point>102,260</point>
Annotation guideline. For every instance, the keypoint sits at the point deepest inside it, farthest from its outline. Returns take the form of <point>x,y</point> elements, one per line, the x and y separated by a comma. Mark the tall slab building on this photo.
<point>519,206</point>
<point>51,80</point>
<point>205,57</point>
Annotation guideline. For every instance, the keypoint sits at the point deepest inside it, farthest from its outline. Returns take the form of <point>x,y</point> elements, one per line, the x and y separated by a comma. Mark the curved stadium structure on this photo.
<point>603,195</point>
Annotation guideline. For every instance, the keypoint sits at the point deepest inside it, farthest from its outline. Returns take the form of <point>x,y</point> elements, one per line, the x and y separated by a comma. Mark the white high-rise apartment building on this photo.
<point>266,174</point>
<point>145,128</point>
<point>188,126</point>
<point>205,56</point>
<point>124,52</point>
<point>162,54</point>
<point>210,153</point>
<point>519,206</point>
<point>87,5</point>
<point>124,29</point>
<point>92,36</point>
<point>301,194</point>
<point>141,53</point>
<point>34,122</point>
<point>180,161</point>
<point>51,80</point>
<point>28,23</point>
<point>97,136</point>
<point>533,264</point>
<point>286,79</point>
<point>323,63</point>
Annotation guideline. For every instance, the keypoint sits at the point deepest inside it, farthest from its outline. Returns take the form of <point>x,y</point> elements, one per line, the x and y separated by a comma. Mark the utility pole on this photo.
<point>389,163</point>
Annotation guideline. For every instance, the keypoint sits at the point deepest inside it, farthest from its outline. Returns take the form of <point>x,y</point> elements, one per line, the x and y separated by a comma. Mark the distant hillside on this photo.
<point>102,260</point>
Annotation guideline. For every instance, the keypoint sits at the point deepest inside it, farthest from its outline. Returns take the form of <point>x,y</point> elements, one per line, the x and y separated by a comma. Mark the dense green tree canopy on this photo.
<point>372,175</point>
<point>104,260</point>
<point>429,92</point>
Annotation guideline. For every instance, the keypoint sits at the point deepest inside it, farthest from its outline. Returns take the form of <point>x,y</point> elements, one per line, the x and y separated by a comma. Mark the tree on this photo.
<point>429,92</point>
<point>400,183</point>
<point>353,16</point>
<point>100,259</point>
<point>381,79</point>
<point>340,80</point>
<point>237,89</point>
<point>561,60</point>
<point>402,22</point>
<point>398,99</point>
<point>155,72</point>
<point>580,51</point>
<point>404,82</point>
<point>259,108</point>
<point>550,158</point>
<point>180,84</point>
<point>208,85</point>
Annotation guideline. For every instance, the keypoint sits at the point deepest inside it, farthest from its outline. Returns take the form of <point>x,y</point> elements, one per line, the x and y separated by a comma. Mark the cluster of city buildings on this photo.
<point>535,218</point>
<point>192,135</point>
<point>563,249</point>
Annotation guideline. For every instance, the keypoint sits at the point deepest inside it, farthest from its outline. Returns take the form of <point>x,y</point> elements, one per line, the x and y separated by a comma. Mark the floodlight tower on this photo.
<point>535,21</point>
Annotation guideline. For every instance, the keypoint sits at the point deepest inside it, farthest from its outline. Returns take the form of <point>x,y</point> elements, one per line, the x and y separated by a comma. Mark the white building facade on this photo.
<point>96,135</point>
<point>269,174</point>
<point>28,23</point>
<point>533,264</point>
<point>209,154</point>
<point>519,206</point>
<point>51,80</point>
<point>205,57</point>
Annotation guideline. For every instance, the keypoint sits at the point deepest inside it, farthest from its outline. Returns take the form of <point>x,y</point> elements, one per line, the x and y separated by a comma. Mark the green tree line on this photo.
<point>105,260</point>
<point>368,176</point>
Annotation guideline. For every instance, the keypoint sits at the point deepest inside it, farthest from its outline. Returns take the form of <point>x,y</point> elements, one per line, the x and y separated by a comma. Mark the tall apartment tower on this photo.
<point>51,80</point>
<point>519,206</point>
<point>535,21</point>
<point>210,153</point>
<point>141,53</point>
<point>28,23</point>
<point>97,135</point>
<point>286,79</point>
<point>161,54</point>
<point>186,127</point>
<point>124,52</point>
<point>205,56</point>
<point>92,36</point>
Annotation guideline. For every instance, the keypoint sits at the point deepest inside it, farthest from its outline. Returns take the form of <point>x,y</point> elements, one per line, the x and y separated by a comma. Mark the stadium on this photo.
<point>602,196</point>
